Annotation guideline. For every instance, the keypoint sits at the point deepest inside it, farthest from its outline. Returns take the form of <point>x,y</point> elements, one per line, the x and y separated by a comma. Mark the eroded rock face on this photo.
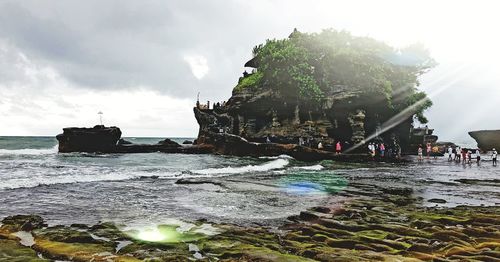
<point>257,114</point>
<point>96,139</point>
<point>486,139</point>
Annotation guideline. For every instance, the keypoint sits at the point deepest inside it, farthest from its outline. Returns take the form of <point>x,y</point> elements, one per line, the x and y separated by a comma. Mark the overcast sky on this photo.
<point>143,62</point>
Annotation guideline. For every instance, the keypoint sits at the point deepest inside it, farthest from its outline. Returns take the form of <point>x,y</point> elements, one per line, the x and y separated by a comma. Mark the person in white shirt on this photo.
<point>458,154</point>
<point>450,153</point>
<point>478,156</point>
<point>494,157</point>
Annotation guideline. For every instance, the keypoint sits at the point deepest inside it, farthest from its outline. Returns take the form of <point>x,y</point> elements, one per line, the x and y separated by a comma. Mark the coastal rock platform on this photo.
<point>100,139</point>
<point>384,228</point>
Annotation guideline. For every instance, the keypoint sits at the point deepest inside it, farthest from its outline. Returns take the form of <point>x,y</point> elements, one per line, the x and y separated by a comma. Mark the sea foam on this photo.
<point>43,180</point>
<point>29,151</point>
<point>271,165</point>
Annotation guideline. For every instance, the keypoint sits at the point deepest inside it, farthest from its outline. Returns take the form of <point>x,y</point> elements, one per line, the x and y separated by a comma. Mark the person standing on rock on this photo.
<point>478,156</point>
<point>338,148</point>
<point>420,154</point>
<point>494,157</point>
<point>382,149</point>
<point>450,153</point>
<point>320,146</point>
<point>469,156</point>
<point>428,150</point>
<point>371,149</point>
<point>457,155</point>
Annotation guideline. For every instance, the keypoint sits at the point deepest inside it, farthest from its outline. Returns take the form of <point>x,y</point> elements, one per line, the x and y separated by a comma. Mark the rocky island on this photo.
<point>101,139</point>
<point>323,88</point>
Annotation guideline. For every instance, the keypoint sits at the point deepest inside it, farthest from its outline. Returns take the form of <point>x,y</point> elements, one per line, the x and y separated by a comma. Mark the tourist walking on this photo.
<point>435,152</point>
<point>469,156</point>
<point>382,149</point>
<point>338,148</point>
<point>450,152</point>
<point>420,154</point>
<point>478,156</point>
<point>494,157</point>
<point>371,148</point>
<point>464,155</point>
<point>428,150</point>
<point>458,154</point>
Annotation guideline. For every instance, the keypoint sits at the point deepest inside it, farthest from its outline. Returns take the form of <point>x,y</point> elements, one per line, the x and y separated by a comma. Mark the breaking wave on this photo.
<point>272,165</point>
<point>29,151</point>
<point>35,181</point>
<point>311,168</point>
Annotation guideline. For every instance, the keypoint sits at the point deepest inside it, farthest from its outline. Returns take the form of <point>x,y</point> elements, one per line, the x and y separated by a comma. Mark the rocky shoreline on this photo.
<point>101,139</point>
<point>389,227</point>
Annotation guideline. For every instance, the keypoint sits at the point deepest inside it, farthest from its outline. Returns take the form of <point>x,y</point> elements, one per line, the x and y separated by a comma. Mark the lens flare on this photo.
<point>151,235</point>
<point>411,110</point>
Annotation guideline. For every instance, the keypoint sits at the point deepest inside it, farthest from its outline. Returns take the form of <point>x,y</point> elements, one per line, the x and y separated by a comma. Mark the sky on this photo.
<point>142,63</point>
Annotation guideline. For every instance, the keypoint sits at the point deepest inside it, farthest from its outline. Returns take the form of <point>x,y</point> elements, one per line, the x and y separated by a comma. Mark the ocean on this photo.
<point>140,189</point>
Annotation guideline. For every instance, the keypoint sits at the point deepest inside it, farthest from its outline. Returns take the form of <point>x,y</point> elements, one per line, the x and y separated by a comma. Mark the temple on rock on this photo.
<point>325,87</point>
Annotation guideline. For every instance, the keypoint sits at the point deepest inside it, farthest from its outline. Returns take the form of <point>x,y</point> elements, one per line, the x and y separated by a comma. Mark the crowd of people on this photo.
<point>207,105</point>
<point>382,151</point>
<point>457,154</point>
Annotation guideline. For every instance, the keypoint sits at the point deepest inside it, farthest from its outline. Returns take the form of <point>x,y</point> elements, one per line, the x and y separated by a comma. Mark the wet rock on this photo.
<point>406,192</point>
<point>324,210</point>
<point>446,234</point>
<point>11,251</point>
<point>66,234</point>
<point>422,248</point>
<point>123,142</point>
<point>96,139</point>
<point>169,142</point>
<point>437,200</point>
<point>308,216</point>
<point>23,222</point>
<point>187,142</point>
<point>187,181</point>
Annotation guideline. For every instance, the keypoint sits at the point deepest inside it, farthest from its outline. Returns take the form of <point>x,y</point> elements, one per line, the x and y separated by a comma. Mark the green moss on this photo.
<point>77,251</point>
<point>250,81</point>
<point>373,234</point>
<point>11,251</point>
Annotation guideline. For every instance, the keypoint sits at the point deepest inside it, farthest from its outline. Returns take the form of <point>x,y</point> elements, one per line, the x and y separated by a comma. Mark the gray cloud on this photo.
<point>123,44</point>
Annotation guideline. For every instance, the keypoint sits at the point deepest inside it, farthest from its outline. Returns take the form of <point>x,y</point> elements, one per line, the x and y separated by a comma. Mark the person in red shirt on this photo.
<point>338,148</point>
<point>429,149</point>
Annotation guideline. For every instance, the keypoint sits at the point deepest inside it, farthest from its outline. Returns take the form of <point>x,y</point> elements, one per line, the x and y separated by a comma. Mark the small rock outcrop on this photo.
<point>96,139</point>
<point>486,139</point>
<point>101,139</point>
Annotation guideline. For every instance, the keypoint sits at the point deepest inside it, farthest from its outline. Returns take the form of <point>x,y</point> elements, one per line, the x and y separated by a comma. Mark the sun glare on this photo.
<point>151,235</point>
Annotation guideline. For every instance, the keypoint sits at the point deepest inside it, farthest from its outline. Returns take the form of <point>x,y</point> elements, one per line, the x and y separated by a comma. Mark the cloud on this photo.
<point>198,64</point>
<point>53,52</point>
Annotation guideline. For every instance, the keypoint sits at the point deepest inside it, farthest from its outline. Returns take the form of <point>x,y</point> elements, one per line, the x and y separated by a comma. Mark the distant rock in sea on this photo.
<point>96,139</point>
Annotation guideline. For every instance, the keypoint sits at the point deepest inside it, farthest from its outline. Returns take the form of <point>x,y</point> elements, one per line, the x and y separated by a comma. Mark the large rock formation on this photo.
<point>486,139</point>
<point>96,139</point>
<point>101,139</point>
<point>305,90</point>
<point>259,114</point>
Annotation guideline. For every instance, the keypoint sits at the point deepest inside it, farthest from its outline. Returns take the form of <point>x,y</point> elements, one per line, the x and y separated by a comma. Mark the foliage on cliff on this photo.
<point>310,67</point>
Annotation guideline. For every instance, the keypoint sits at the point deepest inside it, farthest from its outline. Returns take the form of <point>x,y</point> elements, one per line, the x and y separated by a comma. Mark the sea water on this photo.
<point>154,187</point>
